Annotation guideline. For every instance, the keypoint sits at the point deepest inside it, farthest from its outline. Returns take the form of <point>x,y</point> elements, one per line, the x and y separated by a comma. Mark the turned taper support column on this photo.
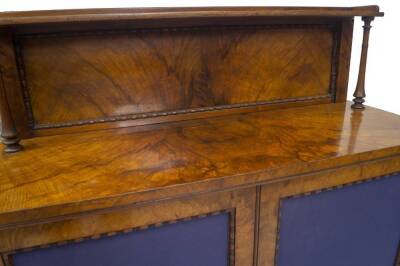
<point>9,135</point>
<point>359,93</point>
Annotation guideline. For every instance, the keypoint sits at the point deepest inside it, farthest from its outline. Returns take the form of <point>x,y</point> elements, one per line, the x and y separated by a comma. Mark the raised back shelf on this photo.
<point>136,74</point>
<point>78,70</point>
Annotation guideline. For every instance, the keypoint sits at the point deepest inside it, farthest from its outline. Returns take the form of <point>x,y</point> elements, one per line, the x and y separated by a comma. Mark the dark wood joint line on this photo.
<point>359,93</point>
<point>232,236</point>
<point>278,232</point>
<point>334,64</point>
<point>5,260</point>
<point>257,226</point>
<point>9,134</point>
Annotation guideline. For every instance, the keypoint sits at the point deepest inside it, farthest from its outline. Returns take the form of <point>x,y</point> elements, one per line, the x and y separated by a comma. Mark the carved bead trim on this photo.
<point>34,126</point>
<point>334,65</point>
<point>22,79</point>
<point>319,191</point>
<point>7,257</point>
<point>175,112</point>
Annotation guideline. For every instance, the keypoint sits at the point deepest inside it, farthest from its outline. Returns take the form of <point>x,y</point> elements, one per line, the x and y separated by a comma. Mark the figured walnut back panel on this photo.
<point>99,76</point>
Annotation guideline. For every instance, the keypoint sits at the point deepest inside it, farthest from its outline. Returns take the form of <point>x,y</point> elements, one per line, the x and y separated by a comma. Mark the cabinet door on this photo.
<point>200,241</point>
<point>215,229</point>
<point>357,224</point>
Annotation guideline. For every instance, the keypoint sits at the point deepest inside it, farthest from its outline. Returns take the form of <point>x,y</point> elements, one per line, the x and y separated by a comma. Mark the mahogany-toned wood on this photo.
<point>130,75</point>
<point>344,55</point>
<point>11,82</point>
<point>181,116</point>
<point>102,168</point>
<point>87,73</point>
<point>70,16</point>
<point>9,133</point>
<point>359,93</point>
<point>240,203</point>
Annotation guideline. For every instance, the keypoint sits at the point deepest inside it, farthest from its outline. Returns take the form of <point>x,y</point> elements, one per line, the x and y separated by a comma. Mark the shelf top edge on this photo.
<point>116,14</point>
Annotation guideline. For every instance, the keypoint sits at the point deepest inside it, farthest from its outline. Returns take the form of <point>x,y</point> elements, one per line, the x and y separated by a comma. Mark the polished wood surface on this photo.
<point>95,69</point>
<point>343,64</point>
<point>57,16</point>
<point>64,174</point>
<point>73,77</point>
<point>11,84</point>
<point>8,130</point>
<point>94,77</point>
<point>359,93</point>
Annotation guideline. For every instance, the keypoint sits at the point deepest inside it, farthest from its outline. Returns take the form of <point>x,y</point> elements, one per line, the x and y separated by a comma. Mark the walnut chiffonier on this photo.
<point>193,137</point>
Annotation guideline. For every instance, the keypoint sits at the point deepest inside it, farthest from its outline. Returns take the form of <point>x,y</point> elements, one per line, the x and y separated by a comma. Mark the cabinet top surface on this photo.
<point>82,15</point>
<point>121,166</point>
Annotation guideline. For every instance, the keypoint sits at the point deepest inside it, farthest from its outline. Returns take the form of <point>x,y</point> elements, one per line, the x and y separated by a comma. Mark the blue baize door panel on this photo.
<point>199,242</point>
<point>356,225</point>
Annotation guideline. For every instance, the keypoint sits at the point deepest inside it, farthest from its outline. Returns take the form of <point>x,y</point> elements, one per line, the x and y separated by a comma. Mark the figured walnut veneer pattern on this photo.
<point>119,75</point>
<point>222,152</point>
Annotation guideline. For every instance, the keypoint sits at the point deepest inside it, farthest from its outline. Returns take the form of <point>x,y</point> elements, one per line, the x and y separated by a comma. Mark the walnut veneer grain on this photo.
<point>69,173</point>
<point>241,203</point>
<point>79,70</point>
<point>130,73</point>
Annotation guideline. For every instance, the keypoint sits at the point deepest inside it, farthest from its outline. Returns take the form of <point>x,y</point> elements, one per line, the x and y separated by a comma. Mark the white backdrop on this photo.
<point>382,81</point>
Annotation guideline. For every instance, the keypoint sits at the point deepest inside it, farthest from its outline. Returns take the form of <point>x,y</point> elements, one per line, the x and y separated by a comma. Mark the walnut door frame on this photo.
<point>272,195</point>
<point>239,204</point>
